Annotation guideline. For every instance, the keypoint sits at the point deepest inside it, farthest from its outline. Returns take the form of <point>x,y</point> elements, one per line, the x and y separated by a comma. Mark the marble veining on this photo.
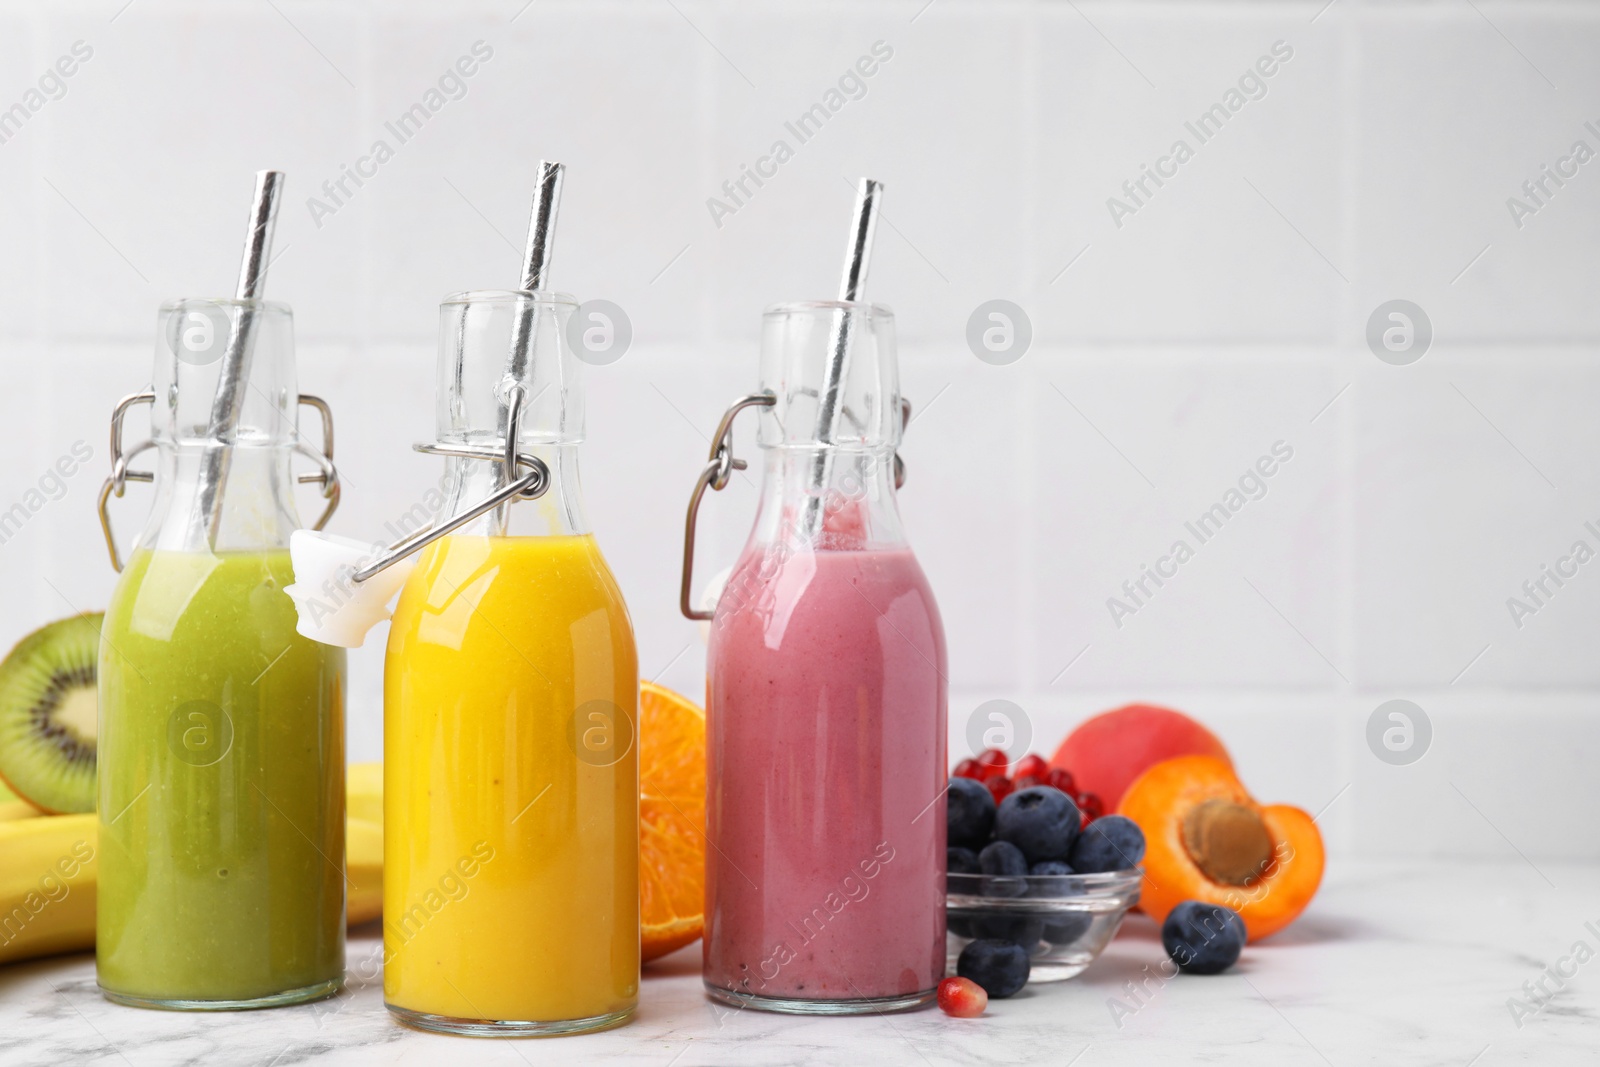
<point>1393,964</point>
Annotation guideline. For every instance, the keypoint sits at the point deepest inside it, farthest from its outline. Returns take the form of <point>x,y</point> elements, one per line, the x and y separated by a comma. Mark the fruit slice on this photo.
<point>49,713</point>
<point>672,820</point>
<point>1208,840</point>
<point>1106,753</point>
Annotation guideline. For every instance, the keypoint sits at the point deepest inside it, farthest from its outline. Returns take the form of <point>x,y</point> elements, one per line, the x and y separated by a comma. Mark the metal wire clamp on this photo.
<point>528,486</point>
<point>720,467</point>
<point>327,476</point>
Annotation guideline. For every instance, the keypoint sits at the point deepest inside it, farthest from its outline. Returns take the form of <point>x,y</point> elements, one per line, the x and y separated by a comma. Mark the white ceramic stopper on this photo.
<point>333,608</point>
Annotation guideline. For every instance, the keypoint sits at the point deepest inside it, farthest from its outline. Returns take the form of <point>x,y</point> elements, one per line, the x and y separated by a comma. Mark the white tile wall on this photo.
<point>1225,314</point>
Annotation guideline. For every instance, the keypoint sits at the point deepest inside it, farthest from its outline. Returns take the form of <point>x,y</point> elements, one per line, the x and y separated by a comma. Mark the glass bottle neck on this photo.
<point>223,480</point>
<point>557,512</point>
<point>854,510</point>
<point>503,352</point>
<point>258,508</point>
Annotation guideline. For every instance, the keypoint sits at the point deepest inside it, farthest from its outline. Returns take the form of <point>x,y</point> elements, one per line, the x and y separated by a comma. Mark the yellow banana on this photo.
<point>364,791</point>
<point>47,884</point>
<point>48,872</point>
<point>363,842</point>
<point>363,864</point>
<point>12,810</point>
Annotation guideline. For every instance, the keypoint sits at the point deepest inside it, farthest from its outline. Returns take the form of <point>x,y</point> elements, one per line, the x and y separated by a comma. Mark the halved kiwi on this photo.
<point>49,714</point>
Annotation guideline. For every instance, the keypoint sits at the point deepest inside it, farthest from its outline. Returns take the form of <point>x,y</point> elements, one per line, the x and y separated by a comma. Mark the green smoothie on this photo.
<point>221,777</point>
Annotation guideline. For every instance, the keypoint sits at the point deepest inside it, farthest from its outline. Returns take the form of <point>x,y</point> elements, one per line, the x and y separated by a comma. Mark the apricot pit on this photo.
<point>1227,841</point>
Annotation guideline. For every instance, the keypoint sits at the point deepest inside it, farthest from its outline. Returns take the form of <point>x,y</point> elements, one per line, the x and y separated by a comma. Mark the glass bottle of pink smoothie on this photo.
<point>826,699</point>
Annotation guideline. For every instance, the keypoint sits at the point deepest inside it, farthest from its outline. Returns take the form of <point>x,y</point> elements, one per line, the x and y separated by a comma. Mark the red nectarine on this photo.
<point>1106,753</point>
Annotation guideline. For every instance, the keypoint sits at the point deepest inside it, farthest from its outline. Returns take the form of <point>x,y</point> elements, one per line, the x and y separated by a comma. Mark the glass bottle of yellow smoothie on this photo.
<point>511,835</point>
<point>221,748</point>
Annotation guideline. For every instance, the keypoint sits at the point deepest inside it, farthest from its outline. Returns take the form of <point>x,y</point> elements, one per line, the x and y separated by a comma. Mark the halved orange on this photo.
<point>672,820</point>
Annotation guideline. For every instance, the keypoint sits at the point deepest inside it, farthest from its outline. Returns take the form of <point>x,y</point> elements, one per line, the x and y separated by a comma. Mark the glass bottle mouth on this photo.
<point>830,367</point>
<point>790,307</point>
<point>194,339</point>
<point>493,339</point>
<point>541,297</point>
<point>184,302</point>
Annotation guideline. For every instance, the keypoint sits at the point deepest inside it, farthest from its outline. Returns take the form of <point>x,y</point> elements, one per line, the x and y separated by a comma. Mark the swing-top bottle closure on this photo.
<point>194,333</point>
<point>790,402</point>
<point>487,357</point>
<point>343,586</point>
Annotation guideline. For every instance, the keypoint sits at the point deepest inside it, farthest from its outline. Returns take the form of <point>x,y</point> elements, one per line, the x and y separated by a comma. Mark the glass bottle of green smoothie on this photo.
<point>222,737</point>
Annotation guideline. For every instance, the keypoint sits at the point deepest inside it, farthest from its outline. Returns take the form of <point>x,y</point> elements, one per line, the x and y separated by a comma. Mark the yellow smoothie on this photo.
<point>511,810</point>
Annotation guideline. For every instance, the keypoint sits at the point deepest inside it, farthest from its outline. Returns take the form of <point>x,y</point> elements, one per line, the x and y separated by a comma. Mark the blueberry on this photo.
<point>971,813</point>
<point>1005,865</point>
<point>1024,930</point>
<point>1049,879</point>
<point>1000,967</point>
<point>1041,820</point>
<point>960,861</point>
<point>1110,843</point>
<point>1202,938</point>
<point>1066,927</point>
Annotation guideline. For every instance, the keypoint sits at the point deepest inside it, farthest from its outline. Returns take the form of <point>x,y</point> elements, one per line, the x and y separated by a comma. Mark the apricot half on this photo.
<point>1106,753</point>
<point>1207,839</point>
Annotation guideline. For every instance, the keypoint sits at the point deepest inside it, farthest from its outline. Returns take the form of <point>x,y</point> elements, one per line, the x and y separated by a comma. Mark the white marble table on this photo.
<point>1395,964</point>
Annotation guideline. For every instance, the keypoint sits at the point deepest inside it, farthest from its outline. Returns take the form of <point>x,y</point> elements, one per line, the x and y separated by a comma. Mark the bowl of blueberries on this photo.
<point>1035,890</point>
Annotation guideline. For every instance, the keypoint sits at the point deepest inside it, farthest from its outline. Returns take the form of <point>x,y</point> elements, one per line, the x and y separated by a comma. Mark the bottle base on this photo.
<point>275,1000</point>
<point>798,1006</point>
<point>446,1024</point>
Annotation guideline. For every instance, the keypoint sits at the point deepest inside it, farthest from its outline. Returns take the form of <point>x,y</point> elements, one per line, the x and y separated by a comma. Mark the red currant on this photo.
<point>967,768</point>
<point>1000,787</point>
<point>1062,780</point>
<point>1031,766</point>
<point>962,998</point>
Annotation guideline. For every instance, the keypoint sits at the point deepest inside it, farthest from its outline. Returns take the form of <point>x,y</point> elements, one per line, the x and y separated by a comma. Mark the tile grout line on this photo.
<point>1029,87</point>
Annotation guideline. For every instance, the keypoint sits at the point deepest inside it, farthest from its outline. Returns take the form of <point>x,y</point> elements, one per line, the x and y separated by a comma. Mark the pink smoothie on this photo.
<point>825,778</point>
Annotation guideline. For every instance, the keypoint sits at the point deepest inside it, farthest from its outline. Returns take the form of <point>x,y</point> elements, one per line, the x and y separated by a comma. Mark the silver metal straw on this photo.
<point>536,260</point>
<point>852,288</point>
<point>235,371</point>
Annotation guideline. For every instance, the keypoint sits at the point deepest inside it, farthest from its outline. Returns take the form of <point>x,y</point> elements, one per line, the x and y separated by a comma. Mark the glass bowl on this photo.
<point>1063,920</point>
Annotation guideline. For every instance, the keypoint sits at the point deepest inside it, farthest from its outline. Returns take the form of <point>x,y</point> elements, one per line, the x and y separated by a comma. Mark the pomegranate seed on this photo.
<point>993,761</point>
<point>967,768</point>
<point>1062,780</point>
<point>1000,787</point>
<point>1032,766</point>
<point>962,998</point>
<point>1091,806</point>
<point>1026,781</point>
